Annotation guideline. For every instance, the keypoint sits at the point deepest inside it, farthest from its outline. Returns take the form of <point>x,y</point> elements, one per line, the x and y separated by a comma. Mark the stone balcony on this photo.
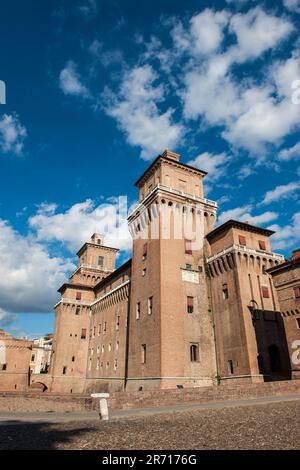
<point>248,250</point>
<point>168,189</point>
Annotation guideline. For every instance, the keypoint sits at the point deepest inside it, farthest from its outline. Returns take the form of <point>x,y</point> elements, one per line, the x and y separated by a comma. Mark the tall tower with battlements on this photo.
<point>171,333</point>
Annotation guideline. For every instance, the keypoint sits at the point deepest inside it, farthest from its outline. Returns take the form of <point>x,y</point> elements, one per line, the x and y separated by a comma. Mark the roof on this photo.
<point>171,160</point>
<point>239,225</point>
<point>74,286</point>
<point>289,264</point>
<point>108,279</point>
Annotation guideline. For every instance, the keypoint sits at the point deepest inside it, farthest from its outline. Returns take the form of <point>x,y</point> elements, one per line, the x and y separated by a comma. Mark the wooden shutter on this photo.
<point>242,240</point>
<point>262,245</point>
<point>188,247</point>
<point>265,292</point>
<point>297,292</point>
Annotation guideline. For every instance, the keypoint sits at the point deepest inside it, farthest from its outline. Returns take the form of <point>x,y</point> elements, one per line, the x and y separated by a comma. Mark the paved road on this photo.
<point>7,418</point>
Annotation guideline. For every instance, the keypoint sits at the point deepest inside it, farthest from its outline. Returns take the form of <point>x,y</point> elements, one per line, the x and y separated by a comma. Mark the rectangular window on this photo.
<point>77,311</point>
<point>194,353</point>
<point>78,295</point>
<point>242,240</point>
<point>298,323</point>
<point>32,357</point>
<point>145,251</point>
<point>297,292</point>
<point>265,292</point>
<point>262,245</point>
<point>190,304</point>
<point>144,352</point>
<point>138,311</point>
<point>230,367</point>
<point>150,305</point>
<point>188,247</point>
<point>64,370</point>
<point>4,366</point>
<point>104,328</point>
<point>225,293</point>
<point>83,333</point>
<point>100,260</point>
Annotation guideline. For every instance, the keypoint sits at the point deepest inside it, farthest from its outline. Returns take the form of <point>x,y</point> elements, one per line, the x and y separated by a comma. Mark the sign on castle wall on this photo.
<point>190,276</point>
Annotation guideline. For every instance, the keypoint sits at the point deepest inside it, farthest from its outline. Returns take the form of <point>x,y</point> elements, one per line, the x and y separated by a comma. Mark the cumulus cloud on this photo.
<point>29,276</point>
<point>12,134</point>
<point>76,225</point>
<point>206,30</point>
<point>253,114</point>
<point>288,236</point>
<point>244,214</point>
<point>70,82</point>
<point>281,192</point>
<point>135,107</point>
<point>292,5</point>
<point>256,32</point>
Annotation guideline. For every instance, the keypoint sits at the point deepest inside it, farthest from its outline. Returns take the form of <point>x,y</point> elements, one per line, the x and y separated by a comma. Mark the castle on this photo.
<point>195,306</point>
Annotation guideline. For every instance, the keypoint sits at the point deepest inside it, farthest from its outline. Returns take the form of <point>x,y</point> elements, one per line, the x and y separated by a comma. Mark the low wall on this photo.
<point>34,401</point>
<point>43,402</point>
<point>157,398</point>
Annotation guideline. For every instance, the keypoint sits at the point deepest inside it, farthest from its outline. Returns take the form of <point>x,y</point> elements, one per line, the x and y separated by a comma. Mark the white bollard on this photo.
<point>103,406</point>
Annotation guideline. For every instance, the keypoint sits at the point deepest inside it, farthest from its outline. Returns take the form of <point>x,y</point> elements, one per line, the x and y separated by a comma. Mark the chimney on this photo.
<point>169,154</point>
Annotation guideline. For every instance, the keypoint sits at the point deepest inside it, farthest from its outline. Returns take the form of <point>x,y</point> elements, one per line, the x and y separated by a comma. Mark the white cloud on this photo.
<point>288,236</point>
<point>70,81</point>
<point>292,5</point>
<point>256,32</point>
<point>29,276</point>
<point>244,214</point>
<point>206,30</point>
<point>290,153</point>
<point>135,108</point>
<point>253,114</point>
<point>214,164</point>
<point>12,134</point>
<point>281,192</point>
<point>76,225</point>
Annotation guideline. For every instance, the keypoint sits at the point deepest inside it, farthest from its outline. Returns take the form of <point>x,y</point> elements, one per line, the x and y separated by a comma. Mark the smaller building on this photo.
<point>14,362</point>
<point>41,355</point>
<point>286,279</point>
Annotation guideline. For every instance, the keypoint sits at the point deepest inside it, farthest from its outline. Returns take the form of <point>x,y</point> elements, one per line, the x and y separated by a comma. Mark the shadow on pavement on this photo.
<point>20,435</point>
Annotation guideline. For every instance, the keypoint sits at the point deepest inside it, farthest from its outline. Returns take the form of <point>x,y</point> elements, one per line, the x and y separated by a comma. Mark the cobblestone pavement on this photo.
<point>261,426</point>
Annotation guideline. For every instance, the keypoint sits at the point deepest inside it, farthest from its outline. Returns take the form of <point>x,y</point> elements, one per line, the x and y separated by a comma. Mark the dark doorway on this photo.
<point>274,355</point>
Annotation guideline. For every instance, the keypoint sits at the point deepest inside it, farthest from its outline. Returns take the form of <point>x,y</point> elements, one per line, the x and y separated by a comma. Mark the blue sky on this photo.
<point>96,89</point>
